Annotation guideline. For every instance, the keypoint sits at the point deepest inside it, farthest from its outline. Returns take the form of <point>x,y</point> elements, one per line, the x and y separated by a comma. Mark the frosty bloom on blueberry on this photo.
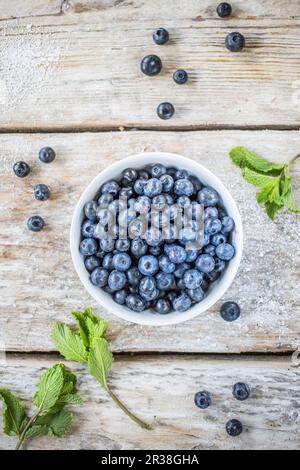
<point>156,238</point>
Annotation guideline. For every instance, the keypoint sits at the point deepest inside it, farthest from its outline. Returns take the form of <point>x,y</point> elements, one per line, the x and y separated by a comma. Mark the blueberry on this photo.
<point>143,174</point>
<point>188,235</point>
<point>165,110</point>
<point>105,216</point>
<point>206,239</point>
<point>159,202</point>
<point>138,227</point>
<point>153,237</point>
<point>160,36</point>
<point>120,296</point>
<point>230,311</point>
<point>208,197</point>
<point>196,183</point>
<point>157,170</point>
<point>148,265</point>
<point>164,281</point>
<point>116,280</point>
<point>110,187</point>
<point>107,262</point>
<point>181,269</point>
<point>211,212</point>
<point>133,276</point>
<point>212,226</point>
<point>218,239</point>
<point>166,265</point>
<point>105,199</point>
<point>205,285</point>
<point>225,251</point>
<point>227,224</point>
<point>88,229</point>
<point>47,155</point>
<point>196,294</point>
<point>180,284</point>
<point>167,183</point>
<point>107,244</point>
<point>138,247</point>
<point>126,216</point>
<point>21,169</point>
<point>202,400</point>
<point>90,210</point>
<point>147,284</point>
<point>205,263</point>
<point>139,185</point>
<point>88,247</point>
<point>126,193</point>
<point>180,77</point>
<point>192,279</point>
<point>129,176</point>
<point>117,205</point>
<point>160,219</point>
<point>224,10</point>
<point>36,224</point>
<point>171,295</point>
<point>191,255</point>
<point>181,174</point>
<point>155,250</point>
<point>241,391</point>
<point>121,261</point>
<point>183,187</point>
<point>219,265</point>
<point>235,42</point>
<point>176,253</point>
<point>183,201</point>
<point>142,204</point>
<point>123,244</point>
<point>234,427</point>
<point>210,250</point>
<point>134,289</point>
<point>162,306</point>
<point>182,303</point>
<point>135,302</point>
<point>91,262</point>
<point>151,65</point>
<point>212,276</point>
<point>145,292</point>
<point>153,187</point>
<point>99,277</point>
<point>108,290</point>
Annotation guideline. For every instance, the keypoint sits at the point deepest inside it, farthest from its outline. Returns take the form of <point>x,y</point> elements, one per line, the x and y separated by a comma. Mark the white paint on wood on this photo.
<point>38,282</point>
<point>85,65</point>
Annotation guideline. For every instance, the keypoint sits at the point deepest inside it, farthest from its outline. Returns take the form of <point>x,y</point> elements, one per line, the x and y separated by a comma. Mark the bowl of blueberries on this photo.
<point>156,238</point>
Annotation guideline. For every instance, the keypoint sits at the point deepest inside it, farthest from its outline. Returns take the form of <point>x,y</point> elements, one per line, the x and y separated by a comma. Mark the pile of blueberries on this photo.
<point>41,191</point>
<point>240,391</point>
<point>157,269</point>
<point>151,64</point>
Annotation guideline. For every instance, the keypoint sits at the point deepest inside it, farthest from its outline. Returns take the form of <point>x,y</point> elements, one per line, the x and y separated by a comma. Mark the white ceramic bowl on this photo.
<point>217,289</point>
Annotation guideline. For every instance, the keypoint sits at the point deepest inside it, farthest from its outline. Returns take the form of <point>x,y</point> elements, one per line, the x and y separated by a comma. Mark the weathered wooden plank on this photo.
<point>161,390</point>
<point>81,68</point>
<point>14,9</point>
<point>39,285</point>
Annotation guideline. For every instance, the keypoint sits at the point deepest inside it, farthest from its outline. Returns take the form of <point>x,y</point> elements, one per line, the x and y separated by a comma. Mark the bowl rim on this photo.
<point>148,317</point>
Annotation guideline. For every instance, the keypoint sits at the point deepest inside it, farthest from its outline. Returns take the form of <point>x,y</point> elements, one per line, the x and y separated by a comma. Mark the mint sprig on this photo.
<point>57,388</point>
<point>89,346</point>
<point>273,179</point>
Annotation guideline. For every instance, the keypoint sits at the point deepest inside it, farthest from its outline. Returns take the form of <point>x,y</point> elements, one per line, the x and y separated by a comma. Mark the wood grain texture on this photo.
<point>79,66</point>
<point>161,390</point>
<point>38,282</point>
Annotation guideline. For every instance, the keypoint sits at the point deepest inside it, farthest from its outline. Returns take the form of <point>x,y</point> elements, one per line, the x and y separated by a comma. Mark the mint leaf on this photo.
<point>83,329</point>
<point>36,431</point>
<point>90,326</point>
<point>272,208</point>
<point>259,179</point>
<point>100,361</point>
<point>56,424</point>
<point>290,202</point>
<point>69,343</point>
<point>49,389</point>
<point>14,415</point>
<point>244,158</point>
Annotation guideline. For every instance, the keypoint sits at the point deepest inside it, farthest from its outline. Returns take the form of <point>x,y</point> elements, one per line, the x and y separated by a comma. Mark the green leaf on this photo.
<point>68,343</point>
<point>57,424</point>
<point>90,326</point>
<point>259,179</point>
<point>83,329</point>
<point>272,208</point>
<point>263,195</point>
<point>14,415</point>
<point>49,389</point>
<point>244,158</point>
<point>89,312</point>
<point>100,361</point>
<point>96,330</point>
<point>290,203</point>
<point>35,431</point>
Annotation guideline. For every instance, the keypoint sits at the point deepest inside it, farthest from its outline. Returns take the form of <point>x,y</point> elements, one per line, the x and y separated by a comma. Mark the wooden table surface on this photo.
<point>70,79</point>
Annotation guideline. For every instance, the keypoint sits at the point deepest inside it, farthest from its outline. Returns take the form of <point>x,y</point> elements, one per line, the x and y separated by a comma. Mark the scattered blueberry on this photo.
<point>160,36</point>
<point>41,192</point>
<point>151,65</point>
<point>234,427</point>
<point>21,169</point>
<point>230,311</point>
<point>47,155</point>
<point>36,224</point>
<point>235,42</point>
<point>99,277</point>
<point>241,391</point>
<point>180,77</point>
<point>202,400</point>
<point>224,10</point>
<point>165,110</point>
